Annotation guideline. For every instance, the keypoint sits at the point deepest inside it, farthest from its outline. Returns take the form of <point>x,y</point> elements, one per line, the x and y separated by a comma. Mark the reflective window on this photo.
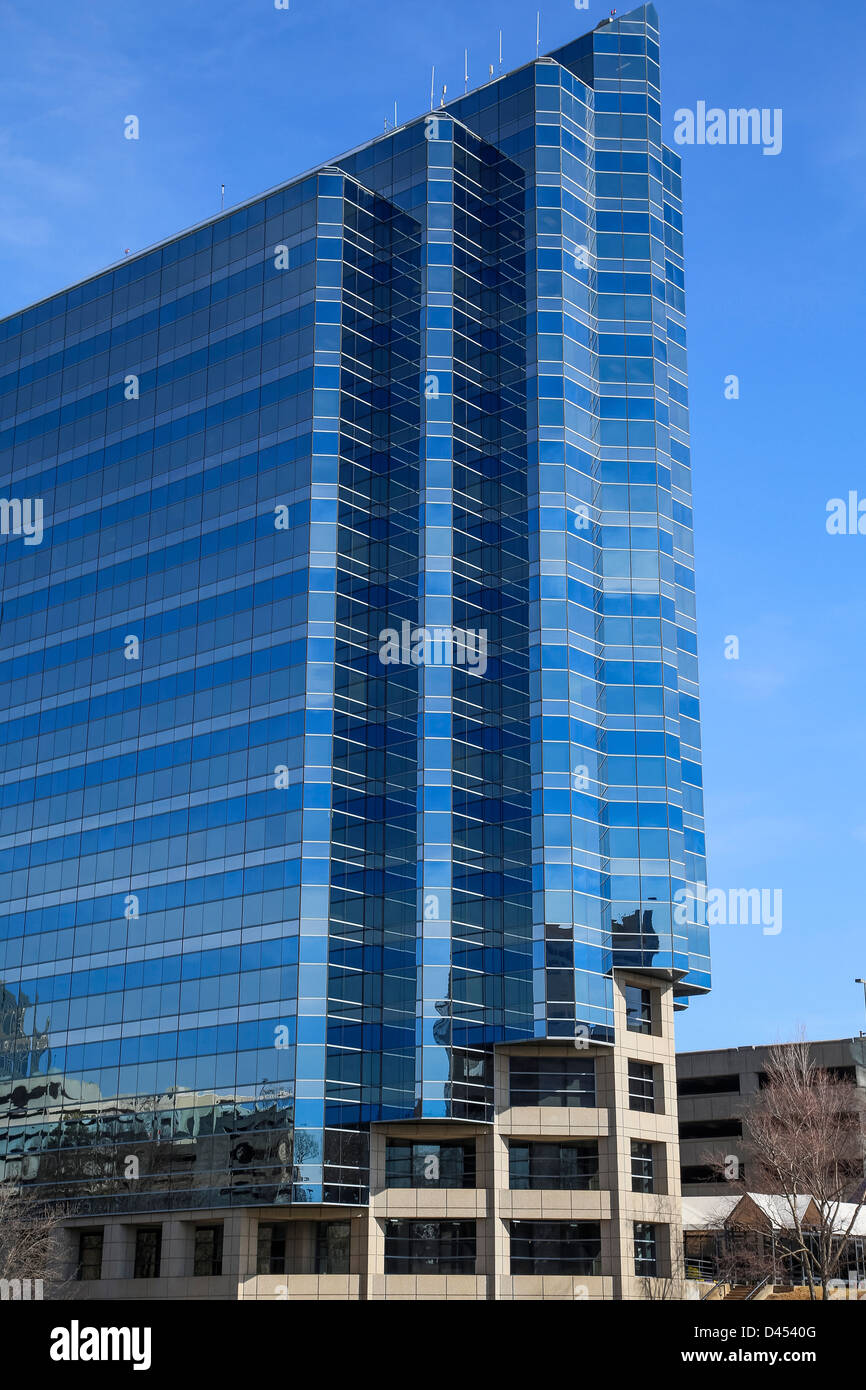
<point>642,1166</point>
<point>429,1247</point>
<point>333,1240</point>
<point>555,1247</point>
<point>428,1163</point>
<point>645,1249</point>
<point>271,1248</point>
<point>638,1008</point>
<point>262,446</point>
<point>555,1081</point>
<point>641,1086</point>
<point>90,1255</point>
<point>148,1249</point>
<point>208,1250</point>
<point>567,1166</point>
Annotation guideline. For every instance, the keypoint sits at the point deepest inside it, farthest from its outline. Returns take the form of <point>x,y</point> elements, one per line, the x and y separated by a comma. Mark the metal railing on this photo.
<point>722,1279</point>
<point>767,1279</point>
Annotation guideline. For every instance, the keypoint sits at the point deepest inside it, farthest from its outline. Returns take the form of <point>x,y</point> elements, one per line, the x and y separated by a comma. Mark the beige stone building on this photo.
<point>571,1194</point>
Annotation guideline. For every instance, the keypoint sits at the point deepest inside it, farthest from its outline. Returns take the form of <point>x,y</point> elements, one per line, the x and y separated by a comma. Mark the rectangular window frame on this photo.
<point>88,1243</point>
<point>207,1257</point>
<point>147,1258</point>
<point>643,1166</point>
<point>536,1165</point>
<point>557,1082</point>
<point>430,1247</point>
<point>642,1089</point>
<point>640,1011</point>
<point>646,1250</point>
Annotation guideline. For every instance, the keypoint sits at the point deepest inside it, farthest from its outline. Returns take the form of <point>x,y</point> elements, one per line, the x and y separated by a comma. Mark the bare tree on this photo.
<point>804,1132</point>
<point>32,1245</point>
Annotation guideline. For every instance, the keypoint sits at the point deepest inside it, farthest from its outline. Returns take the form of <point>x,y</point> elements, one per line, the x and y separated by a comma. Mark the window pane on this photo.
<point>148,1245</point>
<point>571,1166</point>
<point>429,1247</point>
<point>555,1081</point>
<point>333,1239</point>
<point>90,1255</point>
<point>642,1177</point>
<point>271,1251</point>
<point>638,1007</point>
<point>208,1251</point>
<point>555,1247</point>
<point>430,1163</point>
<point>641,1086</point>
<point>645,1253</point>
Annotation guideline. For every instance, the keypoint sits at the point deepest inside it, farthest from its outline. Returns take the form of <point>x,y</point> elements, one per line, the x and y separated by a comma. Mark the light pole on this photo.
<point>863,983</point>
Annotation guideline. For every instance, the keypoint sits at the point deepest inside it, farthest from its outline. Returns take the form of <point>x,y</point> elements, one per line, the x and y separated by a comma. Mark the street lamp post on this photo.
<point>863,983</point>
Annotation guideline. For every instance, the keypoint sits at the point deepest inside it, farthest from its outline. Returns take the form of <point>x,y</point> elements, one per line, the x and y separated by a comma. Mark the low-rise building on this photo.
<point>715,1087</point>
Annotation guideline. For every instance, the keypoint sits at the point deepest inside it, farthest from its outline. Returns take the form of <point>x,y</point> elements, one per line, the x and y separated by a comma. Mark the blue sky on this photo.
<point>236,92</point>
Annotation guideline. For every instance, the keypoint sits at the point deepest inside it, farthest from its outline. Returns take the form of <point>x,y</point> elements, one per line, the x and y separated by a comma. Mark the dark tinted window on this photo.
<point>333,1239</point>
<point>641,1086</point>
<point>638,1008</point>
<point>148,1248</point>
<point>429,1247</point>
<point>208,1250</point>
<point>642,1166</point>
<point>709,1085</point>
<point>571,1166</point>
<point>711,1129</point>
<point>271,1249</point>
<point>645,1249</point>
<point>557,1081</point>
<point>90,1255</point>
<point>555,1247</point>
<point>430,1163</point>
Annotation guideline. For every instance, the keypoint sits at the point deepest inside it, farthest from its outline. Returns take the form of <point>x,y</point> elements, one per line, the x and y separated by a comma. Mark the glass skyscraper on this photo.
<point>351,724</point>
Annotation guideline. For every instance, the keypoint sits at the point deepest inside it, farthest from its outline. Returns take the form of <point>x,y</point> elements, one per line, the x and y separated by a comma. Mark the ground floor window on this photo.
<point>333,1239</point>
<point>208,1250</point>
<point>538,1165</point>
<point>555,1247</point>
<point>430,1163</point>
<point>642,1166</point>
<point>148,1252</point>
<point>429,1247</point>
<point>271,1247</point>
<point>645,1249</point>
<point>90,1255</point>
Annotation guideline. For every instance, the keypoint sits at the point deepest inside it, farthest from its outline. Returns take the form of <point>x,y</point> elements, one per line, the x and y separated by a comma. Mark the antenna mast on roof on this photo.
<point>466,69</point>
<point>500,50</point>
<point>537,32</point>
<point>432,87</point>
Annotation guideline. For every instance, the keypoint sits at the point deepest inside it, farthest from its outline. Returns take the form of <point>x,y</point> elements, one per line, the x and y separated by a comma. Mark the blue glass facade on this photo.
<point>262,885</point>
